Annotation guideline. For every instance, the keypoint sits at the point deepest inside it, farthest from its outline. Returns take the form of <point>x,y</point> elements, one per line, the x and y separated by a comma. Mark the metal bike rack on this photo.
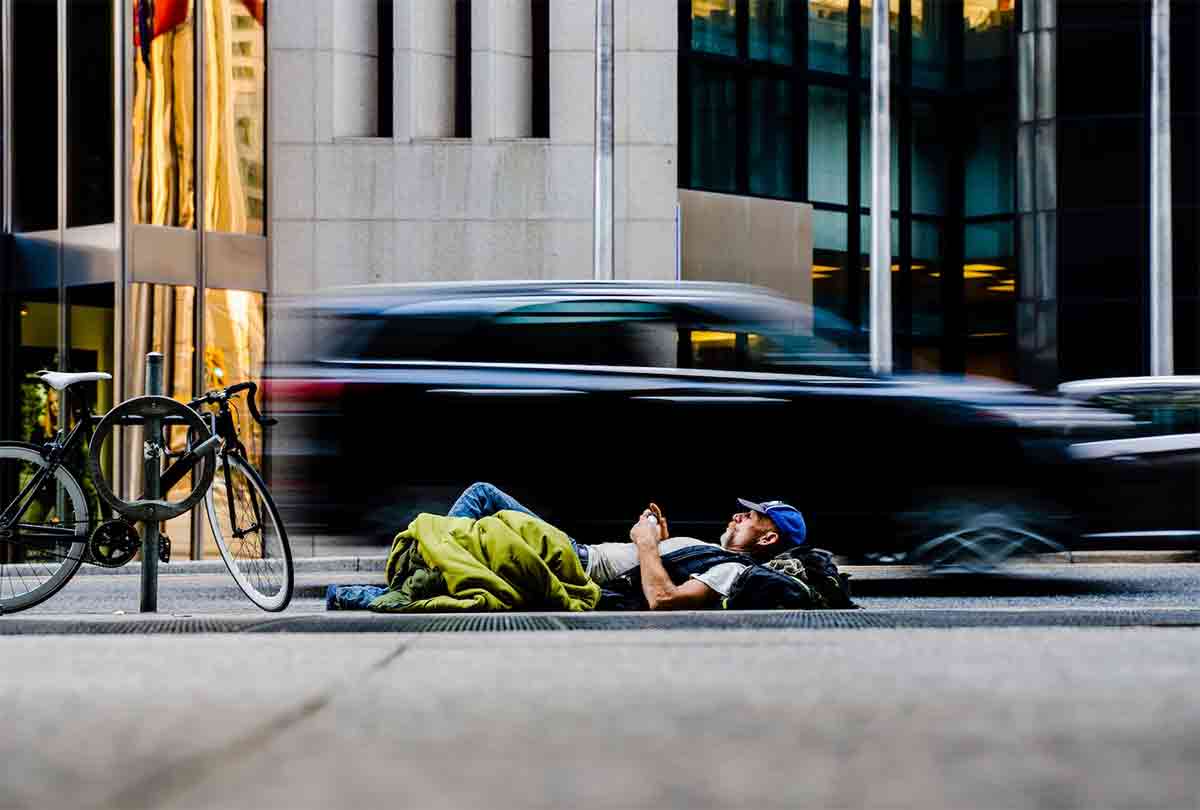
<point>151,455</point>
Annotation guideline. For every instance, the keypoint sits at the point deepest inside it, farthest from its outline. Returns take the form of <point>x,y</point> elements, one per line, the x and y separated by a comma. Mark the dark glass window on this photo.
<point>1102,12</point>
<point>35,119</point>
<point>932,24</point>
<point>930,155</point>
<point>540,10</point>
<point>385,67</point>
<point>830,270</point>
<point>462,69</point>
<point>1187,334</point>
<point>90,112</point>
<point>772,128</point>
<point>1185,250</point>
<point>987,43</point>
<point>771,26</point>
<point>1100,340</point>
<point>714,26</point>
<point>1185,56</point>
<point>713,107</point>
<point>1107,258</point>
<point>989,161</point>
<point>1100,71</point>
<point>927,309</point>
<point>864,264</point>
<point>1100,163</point>
<point>1185,169</point>
<point>990,287</point>
<point>828,145</point>
<point>829,35</point>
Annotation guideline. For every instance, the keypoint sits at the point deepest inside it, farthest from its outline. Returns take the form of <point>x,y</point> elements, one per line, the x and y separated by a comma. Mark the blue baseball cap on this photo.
<point>787,519</point>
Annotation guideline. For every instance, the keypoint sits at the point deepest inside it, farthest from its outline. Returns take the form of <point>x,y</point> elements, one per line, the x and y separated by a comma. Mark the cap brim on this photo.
<point>751,505</point>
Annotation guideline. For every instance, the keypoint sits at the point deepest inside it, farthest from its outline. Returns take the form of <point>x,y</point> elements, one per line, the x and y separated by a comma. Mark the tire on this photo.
<point>980,532</point>
<point>52,571</point>
<point>261,563</point>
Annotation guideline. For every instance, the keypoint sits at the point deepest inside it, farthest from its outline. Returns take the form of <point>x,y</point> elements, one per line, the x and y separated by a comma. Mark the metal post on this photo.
<point>881,189</point>
<point>152,456</point>
<point>602,208</point>
<point>1162,333</point>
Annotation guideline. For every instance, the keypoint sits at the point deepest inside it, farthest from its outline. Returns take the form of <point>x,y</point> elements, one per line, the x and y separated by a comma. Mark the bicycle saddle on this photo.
<point>58,380</point>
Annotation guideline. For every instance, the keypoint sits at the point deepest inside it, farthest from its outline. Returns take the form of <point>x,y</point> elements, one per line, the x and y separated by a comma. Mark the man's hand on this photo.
<point>663,532</point>
<point>645,533</point>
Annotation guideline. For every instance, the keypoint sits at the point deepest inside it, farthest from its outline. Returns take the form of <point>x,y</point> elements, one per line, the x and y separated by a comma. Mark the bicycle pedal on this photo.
<point>164,549</point>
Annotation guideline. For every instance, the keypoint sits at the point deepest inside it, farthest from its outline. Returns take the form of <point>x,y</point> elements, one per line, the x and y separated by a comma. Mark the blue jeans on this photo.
<point>482,499</point>
<point>477,501</point>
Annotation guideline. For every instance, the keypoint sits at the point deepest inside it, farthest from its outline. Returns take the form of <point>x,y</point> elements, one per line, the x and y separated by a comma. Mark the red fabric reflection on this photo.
<point>167,14</point>
<point>257,9</point>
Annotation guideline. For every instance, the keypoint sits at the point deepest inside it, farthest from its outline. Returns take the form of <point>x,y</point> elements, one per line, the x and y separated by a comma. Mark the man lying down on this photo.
<point>491,553</point>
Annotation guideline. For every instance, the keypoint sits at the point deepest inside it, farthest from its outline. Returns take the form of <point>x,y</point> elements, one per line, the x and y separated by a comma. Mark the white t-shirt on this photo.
<point>607,561</point>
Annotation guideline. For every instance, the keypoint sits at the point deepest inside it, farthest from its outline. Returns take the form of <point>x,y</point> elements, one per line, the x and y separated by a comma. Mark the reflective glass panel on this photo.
<point>771,25</point>
<point>828,145</point>
<point>714,26</point>
<point>235,336</point>
<point>162,170</point>
<point>829,35</point>
<point>91,112</point>
<point>37,349</point>
<point>990,289</point>
<point>714,136</point>
<point>927,310</point>
<point>931,28</point>
<point>894,37</point>
<point>772,125</point>
<point>830,280</point>
<point>91,344</point>
<point>929,158</point>
<point>235,107</point>
<point>987,42</point>
<point>35,119</point>
<point>865,153</point>
<point>990,173</point>
<point>161,319</point>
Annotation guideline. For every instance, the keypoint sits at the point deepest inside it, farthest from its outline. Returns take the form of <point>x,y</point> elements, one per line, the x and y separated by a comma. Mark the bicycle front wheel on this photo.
<point>249,533</point>
<point>43,546</point>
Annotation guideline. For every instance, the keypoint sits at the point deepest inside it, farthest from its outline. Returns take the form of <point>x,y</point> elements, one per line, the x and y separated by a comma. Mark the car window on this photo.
<point>1159,412</point>
<point>610,333</point>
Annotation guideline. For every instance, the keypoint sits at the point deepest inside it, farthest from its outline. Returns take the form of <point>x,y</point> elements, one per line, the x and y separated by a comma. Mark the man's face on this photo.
<point>746,530</point>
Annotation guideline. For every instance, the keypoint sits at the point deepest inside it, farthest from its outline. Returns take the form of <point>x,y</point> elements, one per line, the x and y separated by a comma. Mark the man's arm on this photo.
<point>661,593</point>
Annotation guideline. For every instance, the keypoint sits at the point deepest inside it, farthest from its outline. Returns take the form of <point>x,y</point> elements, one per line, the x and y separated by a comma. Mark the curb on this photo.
<point>301,565</point>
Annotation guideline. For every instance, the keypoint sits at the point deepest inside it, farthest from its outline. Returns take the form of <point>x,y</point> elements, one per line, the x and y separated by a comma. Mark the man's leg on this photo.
<point>481,500</point>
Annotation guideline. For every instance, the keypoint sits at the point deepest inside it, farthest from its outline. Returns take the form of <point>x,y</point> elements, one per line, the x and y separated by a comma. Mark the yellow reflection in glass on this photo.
<point>982,15</point>
<point>162,169</point>
<point>235,104</point>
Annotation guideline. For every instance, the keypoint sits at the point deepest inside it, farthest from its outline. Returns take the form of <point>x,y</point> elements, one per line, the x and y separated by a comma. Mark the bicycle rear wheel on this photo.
<point>249,533</point>
<point>45,546</point>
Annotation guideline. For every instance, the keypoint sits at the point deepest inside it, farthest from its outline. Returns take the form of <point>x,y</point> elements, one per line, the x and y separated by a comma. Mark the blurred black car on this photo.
<point>586,400</point>
<point>1140,488</point>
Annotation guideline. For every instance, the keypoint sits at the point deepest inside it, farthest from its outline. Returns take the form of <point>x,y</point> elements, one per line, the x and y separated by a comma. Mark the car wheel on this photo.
<point>981,532</point>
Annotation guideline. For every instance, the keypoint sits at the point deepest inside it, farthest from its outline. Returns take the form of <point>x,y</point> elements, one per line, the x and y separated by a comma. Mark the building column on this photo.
<point>881,190</point>
<point>1162,333</point>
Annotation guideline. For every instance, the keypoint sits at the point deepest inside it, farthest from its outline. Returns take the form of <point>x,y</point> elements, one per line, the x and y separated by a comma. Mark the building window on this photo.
<point>462,68</point>
<point>90,113</point>
<point>386,65</point>
<point>540,69</point>
<point>35,119</point>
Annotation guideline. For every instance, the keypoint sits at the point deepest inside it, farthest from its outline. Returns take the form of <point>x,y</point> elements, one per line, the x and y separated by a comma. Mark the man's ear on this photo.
<point>768,539</point>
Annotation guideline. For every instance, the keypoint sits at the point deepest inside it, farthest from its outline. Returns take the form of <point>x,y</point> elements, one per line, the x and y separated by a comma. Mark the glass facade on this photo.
<point>756,113</point>
<point>87,286</point>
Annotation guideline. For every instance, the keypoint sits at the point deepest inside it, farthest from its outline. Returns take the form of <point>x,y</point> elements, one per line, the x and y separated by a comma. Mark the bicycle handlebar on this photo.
<point>219,395</point>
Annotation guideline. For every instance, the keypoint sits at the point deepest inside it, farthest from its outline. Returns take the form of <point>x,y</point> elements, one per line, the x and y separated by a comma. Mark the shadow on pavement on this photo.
<point>959,584</point>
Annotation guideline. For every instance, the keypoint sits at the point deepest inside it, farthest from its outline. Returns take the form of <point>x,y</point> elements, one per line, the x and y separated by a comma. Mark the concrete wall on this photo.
<point>425,206</point>
<point>764,242</point>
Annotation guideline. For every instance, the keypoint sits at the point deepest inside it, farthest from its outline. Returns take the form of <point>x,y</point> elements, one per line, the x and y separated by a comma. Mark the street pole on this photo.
<point>1162,332</point>
<point>602,208</point>
<point>881,187</point>
<point>152,459</point>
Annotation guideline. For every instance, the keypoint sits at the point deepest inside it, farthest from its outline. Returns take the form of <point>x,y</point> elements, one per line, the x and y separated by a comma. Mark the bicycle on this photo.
<point>48,527</point>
